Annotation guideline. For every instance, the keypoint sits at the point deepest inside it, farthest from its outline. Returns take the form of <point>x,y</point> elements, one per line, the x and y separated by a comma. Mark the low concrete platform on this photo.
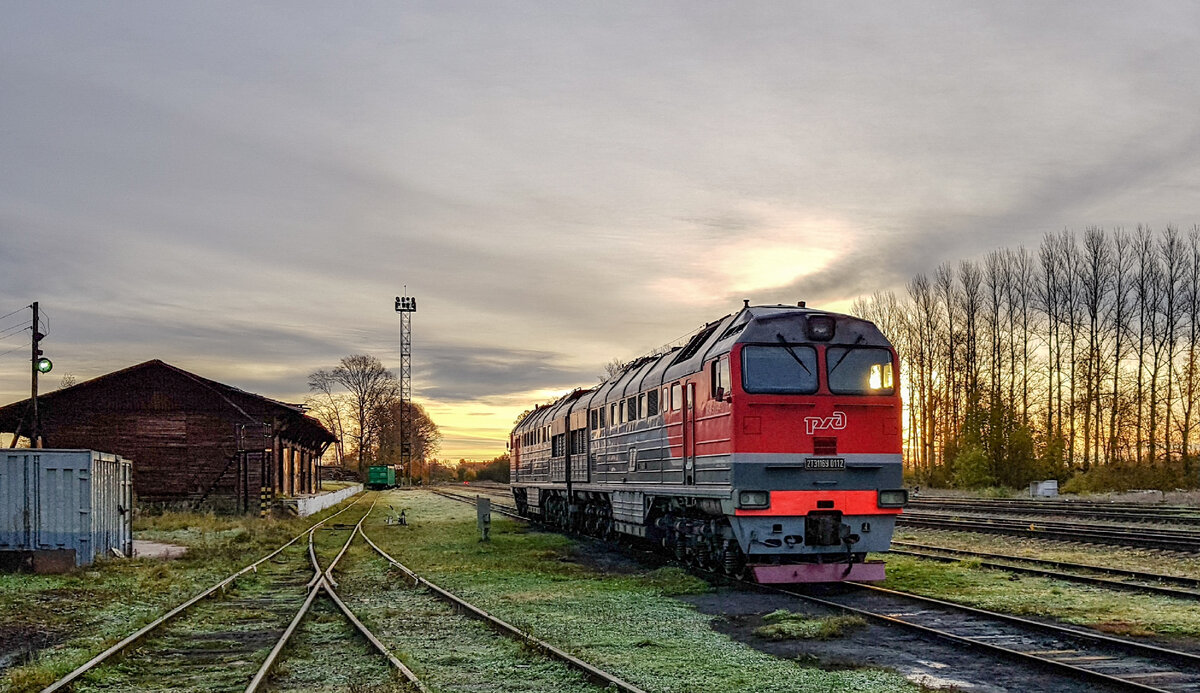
<point>309,505</point>
<point>153,549</point>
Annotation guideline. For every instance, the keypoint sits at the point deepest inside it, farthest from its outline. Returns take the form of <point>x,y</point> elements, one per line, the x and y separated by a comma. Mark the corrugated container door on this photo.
<point>105,495</point>
<point>127,503</point>
<point>65,503</point>
<point>16,520</point>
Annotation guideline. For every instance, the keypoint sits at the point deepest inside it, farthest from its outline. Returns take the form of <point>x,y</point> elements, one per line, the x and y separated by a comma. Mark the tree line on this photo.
<point>1077,359</point>
<point>359,402</point>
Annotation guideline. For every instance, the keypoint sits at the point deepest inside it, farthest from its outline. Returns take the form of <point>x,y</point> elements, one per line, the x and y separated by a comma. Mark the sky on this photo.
<point>241,189</point>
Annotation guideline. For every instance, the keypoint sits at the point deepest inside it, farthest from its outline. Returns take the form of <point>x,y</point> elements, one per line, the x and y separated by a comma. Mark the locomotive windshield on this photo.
<point>859,371</point>
<point>784,369</point>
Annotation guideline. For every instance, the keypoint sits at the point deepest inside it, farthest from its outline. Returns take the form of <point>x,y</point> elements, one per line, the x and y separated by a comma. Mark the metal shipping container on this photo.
<point>63,500</point>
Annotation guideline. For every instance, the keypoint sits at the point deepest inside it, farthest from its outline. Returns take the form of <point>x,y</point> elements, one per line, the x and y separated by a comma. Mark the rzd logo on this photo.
<point>836,422</point>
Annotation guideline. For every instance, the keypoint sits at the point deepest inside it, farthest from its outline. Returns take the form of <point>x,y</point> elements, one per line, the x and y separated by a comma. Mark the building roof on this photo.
<point>235,399</point>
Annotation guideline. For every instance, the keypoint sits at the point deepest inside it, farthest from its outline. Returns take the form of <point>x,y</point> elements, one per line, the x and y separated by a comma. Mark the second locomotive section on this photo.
<point>769,444</point>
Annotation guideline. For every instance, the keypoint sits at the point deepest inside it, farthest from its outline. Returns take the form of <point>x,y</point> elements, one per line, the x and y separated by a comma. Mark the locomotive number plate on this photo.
<point>824,463</point>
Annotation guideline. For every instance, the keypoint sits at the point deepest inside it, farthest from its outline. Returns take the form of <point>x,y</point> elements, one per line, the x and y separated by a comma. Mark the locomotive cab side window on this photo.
<point>676,396</point>
<point>720,378</point>
<point>779,369</point>
<point>860,371</point>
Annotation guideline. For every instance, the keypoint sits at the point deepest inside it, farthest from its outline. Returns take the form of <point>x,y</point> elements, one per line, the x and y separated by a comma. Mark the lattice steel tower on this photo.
<point>405,307</point>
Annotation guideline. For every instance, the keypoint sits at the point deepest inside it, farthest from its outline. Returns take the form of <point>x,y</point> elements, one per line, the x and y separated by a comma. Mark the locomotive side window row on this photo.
<point>540,435</point>
<point>631,408</point>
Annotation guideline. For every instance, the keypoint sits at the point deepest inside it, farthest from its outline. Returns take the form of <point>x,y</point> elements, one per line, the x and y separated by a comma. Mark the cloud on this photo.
<point>241,189</point>
<point>451,372</point>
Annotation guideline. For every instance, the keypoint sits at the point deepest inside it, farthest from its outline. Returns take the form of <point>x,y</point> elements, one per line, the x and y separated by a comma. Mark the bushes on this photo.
<point>972,468</point>
<point>1124,477</point>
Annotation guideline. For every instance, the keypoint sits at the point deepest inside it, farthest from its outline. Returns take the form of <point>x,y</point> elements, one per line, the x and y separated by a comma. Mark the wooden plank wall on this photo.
<point>180,442</point>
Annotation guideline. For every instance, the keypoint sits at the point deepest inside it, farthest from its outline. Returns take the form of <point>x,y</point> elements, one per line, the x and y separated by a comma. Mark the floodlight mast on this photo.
<point>405,307</point>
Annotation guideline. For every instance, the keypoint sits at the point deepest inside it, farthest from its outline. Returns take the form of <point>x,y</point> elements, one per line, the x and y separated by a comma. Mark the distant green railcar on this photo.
<point>381,476</point>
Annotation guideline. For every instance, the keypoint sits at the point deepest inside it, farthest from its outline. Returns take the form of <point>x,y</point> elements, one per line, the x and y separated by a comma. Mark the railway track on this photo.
<point>1141,537</point>
<point>596,675</point>
<point>1127,512</point>
<point>182,649</point>
<point>1134,581</point>
<point>214,640</point>
<point>1115,663</point>
<point>1118,663</point>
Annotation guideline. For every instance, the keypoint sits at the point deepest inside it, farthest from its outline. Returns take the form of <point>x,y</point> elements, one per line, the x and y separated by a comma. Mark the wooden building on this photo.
<point>191,439</point>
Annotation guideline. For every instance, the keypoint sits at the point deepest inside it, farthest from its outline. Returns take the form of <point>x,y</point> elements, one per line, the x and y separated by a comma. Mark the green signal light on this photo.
<point>44,365</point>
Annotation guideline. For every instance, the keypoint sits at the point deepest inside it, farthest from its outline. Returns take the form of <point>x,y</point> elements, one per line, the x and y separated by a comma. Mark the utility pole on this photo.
<point>35,427</point>
<point>405,307</point>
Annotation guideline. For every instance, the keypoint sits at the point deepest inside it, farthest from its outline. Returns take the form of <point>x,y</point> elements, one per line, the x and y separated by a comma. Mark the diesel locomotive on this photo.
<point>768,445</point>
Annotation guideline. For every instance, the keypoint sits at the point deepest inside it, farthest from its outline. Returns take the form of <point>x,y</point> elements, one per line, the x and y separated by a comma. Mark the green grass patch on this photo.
<point>785,625</point>
<point>74,616</point>
<point>625,622</point>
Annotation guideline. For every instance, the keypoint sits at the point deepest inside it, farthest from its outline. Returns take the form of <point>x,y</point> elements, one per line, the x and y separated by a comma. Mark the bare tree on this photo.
<point>370,387</point>
<point>1174,263</point>
<point>927,322</point>
<point>422,434</point>
<point>944,286</point>
<point>1071,292</point>
<point>330,408</point>
<point>1123,262</point>
<point>1190,376</point>
<point>1095,276</point>
<point>993,266</point>
<point>970,302</point>
<point>1048,299</point>
<point>613,368</point>
<point>1025,282</point>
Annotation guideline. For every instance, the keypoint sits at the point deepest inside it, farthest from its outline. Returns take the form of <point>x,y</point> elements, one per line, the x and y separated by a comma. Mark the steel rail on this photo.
<point>506,628</point>
<point>1003,520</point>
<point>144,630</point>
<point>1126,516</point>
<point>1074,533</point>
<point>1066,565</point>
<point>1102,506</point>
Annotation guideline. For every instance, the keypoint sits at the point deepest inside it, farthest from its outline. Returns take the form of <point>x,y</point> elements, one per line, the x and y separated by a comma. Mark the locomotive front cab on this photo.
<point>817,478</point>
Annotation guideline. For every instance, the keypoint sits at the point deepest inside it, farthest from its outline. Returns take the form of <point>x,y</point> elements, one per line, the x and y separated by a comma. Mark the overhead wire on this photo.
<point>15,311</point>
<point>13,349</point>
<point>13,330</point>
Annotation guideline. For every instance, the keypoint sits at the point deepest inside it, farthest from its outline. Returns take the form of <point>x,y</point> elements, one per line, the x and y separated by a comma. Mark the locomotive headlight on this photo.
<point>893,498</point>
<point>754,499</point>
